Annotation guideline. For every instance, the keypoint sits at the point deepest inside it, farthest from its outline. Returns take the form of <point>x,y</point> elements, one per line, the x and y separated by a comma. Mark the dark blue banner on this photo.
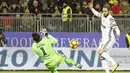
<point>89,40</point>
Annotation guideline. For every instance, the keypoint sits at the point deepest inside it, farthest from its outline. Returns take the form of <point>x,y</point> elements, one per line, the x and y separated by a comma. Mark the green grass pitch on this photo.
<point>61,72</point>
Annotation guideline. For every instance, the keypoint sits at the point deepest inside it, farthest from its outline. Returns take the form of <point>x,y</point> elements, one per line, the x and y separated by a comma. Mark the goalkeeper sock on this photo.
<point>70,61</point>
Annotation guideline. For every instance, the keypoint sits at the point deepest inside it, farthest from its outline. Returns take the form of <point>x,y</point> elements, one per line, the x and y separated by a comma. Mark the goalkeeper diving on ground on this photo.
<point>43,48</point>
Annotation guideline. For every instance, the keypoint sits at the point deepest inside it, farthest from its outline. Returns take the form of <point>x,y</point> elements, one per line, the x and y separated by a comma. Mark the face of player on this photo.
<point>105,12</point>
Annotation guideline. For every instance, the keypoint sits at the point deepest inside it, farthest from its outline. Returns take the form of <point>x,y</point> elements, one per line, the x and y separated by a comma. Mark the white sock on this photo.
<point>105,66</point>
<point>107,56</point>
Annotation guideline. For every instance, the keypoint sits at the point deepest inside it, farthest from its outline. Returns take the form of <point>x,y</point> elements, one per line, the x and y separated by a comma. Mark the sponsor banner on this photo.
<point>23,58</point>
<point>89,40</point>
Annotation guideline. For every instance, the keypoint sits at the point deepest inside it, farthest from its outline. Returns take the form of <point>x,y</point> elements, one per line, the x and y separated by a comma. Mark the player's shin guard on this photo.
<point>105,65</point>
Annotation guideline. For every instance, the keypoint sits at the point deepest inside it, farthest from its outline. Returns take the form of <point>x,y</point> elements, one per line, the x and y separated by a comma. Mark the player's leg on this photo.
<point>52,68</point>
<point>103,61</point>
<point>70,61</point>
<point>109,46</point>
<point>107,57</point>
<point>104,54</point>
<point>105,65</point>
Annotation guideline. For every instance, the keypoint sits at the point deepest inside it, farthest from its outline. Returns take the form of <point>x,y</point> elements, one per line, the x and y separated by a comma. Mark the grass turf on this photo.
<point>61,72</point>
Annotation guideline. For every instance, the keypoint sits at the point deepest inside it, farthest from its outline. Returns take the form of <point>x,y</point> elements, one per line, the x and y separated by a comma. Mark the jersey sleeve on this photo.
<point>112,22</point>
<point>96,12</point>
<point>52,39</point>
<point>114,26</point>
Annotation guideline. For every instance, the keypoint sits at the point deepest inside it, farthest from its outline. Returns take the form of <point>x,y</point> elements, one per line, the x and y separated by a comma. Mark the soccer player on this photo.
<point>108,26</point>
<point>43,48</point>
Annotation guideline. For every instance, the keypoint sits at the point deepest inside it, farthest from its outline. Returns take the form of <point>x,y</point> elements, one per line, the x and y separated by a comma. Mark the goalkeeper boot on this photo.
<point>78,66</point>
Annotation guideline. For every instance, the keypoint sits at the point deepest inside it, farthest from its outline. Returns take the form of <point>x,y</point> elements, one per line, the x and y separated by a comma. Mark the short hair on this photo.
<point>107,6</point>
<point>36,36</point>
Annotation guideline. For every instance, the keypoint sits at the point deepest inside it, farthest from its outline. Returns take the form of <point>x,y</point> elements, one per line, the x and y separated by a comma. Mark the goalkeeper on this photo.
<point>43,48</point>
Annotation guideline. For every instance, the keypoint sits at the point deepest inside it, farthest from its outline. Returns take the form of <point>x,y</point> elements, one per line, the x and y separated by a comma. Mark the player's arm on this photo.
<point>114,26</point>
<point>52,39</point>
<point>117,32</point>
<point>96,13</point>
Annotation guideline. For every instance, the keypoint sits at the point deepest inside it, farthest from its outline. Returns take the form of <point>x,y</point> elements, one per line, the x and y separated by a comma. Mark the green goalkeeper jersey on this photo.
<point>44,48</point>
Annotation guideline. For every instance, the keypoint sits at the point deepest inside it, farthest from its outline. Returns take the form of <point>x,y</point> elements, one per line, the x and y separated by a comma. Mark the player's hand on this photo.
<point>91,4</point>
<point>117,37</point>
<point>44,31</point>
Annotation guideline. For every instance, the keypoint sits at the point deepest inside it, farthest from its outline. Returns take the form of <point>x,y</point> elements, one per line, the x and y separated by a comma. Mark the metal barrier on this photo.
<point>56,24</point>
<point>14,24</point>
<point>79,23</point>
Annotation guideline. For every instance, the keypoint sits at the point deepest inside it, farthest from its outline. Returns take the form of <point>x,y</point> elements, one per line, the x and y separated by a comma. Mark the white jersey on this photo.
<point>108,25</point>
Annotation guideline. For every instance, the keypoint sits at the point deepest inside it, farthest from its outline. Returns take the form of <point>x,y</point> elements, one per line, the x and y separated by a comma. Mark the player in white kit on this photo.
<point>108,26</point>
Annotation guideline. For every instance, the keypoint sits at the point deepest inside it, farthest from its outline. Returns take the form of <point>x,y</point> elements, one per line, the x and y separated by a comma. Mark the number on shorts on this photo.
<point>43,51</point>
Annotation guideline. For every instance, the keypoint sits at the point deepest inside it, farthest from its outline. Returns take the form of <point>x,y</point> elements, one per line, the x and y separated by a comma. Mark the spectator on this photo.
<point>116,8</point>
<point>3,40</point>
<point>86,9</point>
<point>45,9</point>
<point>3,5</point>
<point>97,7</point>
<point>6,20</point>
<point>126,8</point>
<point>36,9</point>
<point>112,2</point>
<point>27,21</point>
<point>14,8</point>
<point>59,3</point>
<point>56,13</point>
<point>4,11</point>
<point>127,39</point>
<point>73,5</point>
<point>24,7</point>
<point>66,16</point>
<point>52,8</point>
<point>79,9</point>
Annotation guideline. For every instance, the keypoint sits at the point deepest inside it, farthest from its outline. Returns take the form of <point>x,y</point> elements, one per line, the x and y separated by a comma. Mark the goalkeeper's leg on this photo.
<point>53,69</point>
<point>70,61</point>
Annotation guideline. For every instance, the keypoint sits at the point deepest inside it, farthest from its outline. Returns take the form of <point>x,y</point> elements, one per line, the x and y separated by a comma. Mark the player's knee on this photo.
<point>100,51</point>
<point>102,58</point>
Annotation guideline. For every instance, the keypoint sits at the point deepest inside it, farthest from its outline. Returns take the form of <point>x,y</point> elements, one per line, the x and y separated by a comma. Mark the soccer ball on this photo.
<point>74,44</point>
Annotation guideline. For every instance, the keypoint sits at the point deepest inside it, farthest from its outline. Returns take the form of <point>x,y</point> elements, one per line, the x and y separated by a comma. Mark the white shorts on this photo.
<point>107,45</point>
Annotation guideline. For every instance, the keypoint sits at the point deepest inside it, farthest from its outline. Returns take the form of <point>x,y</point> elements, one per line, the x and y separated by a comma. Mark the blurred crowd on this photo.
<point>19,14</point>
<point>55,6</point>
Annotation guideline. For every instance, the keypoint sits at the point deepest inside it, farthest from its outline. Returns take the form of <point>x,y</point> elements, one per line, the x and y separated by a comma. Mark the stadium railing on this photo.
<point>17,22</point>
<point>79,23</point>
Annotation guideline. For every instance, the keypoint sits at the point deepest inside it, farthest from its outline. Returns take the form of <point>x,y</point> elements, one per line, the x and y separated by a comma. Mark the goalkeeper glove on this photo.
<point>44,32</point>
